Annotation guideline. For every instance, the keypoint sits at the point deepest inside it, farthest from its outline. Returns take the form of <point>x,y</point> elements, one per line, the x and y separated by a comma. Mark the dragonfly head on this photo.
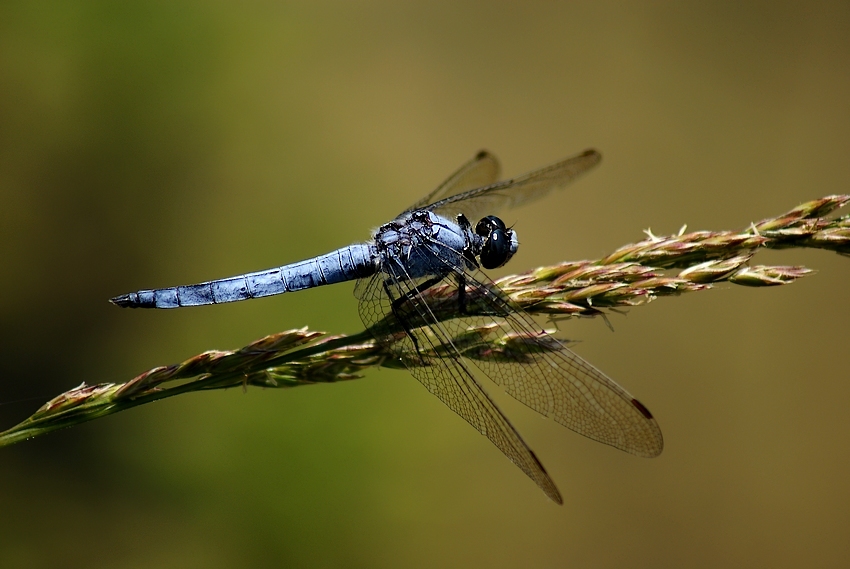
<point>500,243</point>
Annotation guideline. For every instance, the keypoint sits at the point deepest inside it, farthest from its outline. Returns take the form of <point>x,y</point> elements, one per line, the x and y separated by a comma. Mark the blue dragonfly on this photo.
<point>423,296</point>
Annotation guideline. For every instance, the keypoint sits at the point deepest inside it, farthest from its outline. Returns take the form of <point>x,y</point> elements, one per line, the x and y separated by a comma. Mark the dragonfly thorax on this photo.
<point>422,243</point>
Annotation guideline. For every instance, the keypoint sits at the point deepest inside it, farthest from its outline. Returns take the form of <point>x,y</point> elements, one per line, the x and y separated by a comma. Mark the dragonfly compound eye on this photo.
<point>487,224</point>
<point>498,248</point>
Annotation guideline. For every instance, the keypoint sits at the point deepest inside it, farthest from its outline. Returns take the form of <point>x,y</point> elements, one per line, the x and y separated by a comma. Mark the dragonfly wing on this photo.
<point>533,366</point>
<point>493,198</point>
<point>538,370</point>
<point>428,353</point>
<point>482,170</point>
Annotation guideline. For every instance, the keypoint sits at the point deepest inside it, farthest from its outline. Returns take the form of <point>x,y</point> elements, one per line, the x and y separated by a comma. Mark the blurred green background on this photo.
<point>161,143</point>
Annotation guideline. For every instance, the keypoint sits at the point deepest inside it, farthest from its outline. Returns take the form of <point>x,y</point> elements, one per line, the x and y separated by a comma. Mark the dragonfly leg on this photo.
<point>409,296</point>
<point>461,293</point>
<point>394,305</point>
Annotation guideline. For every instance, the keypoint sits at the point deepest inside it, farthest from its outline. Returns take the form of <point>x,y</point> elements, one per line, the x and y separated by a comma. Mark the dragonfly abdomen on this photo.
<point>345,264</point>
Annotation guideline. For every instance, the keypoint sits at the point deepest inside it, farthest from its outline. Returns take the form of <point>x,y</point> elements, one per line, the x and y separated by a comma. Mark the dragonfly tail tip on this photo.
<point>124,301</point>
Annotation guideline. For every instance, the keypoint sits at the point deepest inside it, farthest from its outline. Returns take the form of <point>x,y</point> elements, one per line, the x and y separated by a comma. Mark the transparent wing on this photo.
<point>482,170</point>
<point>491,199</point>
<point>428,354</point>
<point>538,370</point>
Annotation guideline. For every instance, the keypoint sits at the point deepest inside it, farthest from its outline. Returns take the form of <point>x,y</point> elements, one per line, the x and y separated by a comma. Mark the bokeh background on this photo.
<point>161,143</point>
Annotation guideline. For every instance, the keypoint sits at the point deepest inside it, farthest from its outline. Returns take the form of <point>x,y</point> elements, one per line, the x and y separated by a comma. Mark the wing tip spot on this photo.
<point>643,410</point>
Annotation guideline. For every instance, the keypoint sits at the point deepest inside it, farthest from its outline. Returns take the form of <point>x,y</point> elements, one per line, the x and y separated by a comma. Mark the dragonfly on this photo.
<point>422,293</point>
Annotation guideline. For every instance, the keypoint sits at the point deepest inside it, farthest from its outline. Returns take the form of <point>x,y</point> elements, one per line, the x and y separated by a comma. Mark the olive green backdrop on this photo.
<point>162,143</point>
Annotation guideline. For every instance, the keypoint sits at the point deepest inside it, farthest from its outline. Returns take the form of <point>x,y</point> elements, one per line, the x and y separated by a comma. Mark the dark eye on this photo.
<point>487,224</point>
<point>496,250</point>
